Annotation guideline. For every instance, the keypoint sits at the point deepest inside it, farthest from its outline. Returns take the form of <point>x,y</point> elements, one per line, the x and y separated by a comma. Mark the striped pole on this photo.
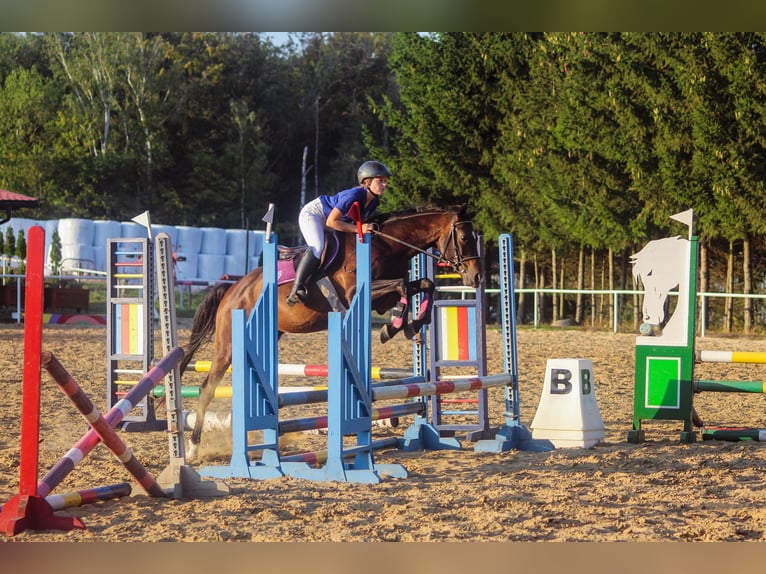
<point>304,370</point>
<point>102,429</point>
<point>735,434</point>
<point>115,415</point>
<point>752,357</point>
<point>439,387</point>
<point>312,423</point>
<point>87,496</point>
<point>320,396</point>
<point>320,456</point>
<point>731,386</point>
<point>223,392</point>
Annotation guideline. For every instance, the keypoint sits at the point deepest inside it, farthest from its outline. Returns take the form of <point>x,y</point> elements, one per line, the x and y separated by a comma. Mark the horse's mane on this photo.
<point>392,216</point>
<point>646,259</point>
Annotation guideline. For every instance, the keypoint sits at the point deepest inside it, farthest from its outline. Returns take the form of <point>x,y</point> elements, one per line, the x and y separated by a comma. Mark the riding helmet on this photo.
<point>370,169</point>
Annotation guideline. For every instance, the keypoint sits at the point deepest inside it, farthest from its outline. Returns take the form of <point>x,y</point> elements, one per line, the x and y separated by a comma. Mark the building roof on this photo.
<point>10,201</point>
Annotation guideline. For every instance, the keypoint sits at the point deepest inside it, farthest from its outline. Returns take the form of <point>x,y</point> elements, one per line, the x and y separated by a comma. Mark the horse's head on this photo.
<point>658,265</point>
<point>459,247</point>
<point>406,233</point>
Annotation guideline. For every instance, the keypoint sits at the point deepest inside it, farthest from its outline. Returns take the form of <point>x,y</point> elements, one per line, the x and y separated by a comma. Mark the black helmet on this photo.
<point>371,169</point>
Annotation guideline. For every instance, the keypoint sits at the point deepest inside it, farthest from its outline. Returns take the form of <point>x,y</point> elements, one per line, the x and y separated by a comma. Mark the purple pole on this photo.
<point>90,439</point>
<point>105,432</point>
<point>311,423</point>
<point>320,456</point>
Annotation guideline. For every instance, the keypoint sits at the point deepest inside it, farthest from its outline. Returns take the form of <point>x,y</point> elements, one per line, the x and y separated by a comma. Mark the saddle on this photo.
<point>289,257</point>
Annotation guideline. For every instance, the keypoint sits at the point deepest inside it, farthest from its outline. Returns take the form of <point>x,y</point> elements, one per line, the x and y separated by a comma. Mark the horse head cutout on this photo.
<point>662,265</point>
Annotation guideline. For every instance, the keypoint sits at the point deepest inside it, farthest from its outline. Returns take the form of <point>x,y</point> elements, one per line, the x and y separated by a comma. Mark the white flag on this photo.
<point>145,220</point>
<point>685,217</point>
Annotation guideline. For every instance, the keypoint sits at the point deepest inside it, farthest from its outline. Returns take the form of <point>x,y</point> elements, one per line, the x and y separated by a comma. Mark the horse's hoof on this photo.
<point>385,333</point>
<point>410,331</point>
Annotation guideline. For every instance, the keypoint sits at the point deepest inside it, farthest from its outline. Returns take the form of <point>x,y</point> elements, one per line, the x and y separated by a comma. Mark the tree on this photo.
<point>153,96</point>
<point>10,242</point>
<point>442,129</point>
<point>21,251</point>
<point>28,104</point>
<point>55,254</point>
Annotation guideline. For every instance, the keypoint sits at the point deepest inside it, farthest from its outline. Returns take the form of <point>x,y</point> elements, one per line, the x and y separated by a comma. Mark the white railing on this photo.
<point>615,294</point>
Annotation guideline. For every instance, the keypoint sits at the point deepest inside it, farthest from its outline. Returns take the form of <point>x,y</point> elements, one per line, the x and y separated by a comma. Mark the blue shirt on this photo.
<point>343,200</point>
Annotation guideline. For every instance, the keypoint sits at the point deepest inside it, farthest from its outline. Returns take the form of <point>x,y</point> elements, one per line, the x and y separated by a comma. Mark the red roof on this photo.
<point>10,199</point>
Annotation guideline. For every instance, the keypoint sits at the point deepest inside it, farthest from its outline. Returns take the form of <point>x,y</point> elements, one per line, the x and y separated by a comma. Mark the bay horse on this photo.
<point>398,237</point>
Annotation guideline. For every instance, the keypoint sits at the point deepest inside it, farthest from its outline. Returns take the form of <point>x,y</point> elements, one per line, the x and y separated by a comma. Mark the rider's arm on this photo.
<point>335,221</point>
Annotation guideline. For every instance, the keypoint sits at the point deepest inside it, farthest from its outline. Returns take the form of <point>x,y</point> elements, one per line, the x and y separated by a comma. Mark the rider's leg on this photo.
<point>303,273</point>
<point>311,223</point>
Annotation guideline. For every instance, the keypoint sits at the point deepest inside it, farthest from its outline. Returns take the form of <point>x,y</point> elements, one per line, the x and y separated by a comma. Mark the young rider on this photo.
<point>331,211</point>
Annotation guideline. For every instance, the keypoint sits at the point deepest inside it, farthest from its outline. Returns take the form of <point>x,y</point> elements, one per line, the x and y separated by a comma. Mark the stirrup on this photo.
<point>297,297</point>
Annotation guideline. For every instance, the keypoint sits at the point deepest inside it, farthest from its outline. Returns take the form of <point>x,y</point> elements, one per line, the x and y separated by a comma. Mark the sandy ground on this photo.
<point>656,491</point>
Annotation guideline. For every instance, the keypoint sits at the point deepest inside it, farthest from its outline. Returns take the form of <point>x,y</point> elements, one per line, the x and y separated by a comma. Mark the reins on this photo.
<point>457,264</point>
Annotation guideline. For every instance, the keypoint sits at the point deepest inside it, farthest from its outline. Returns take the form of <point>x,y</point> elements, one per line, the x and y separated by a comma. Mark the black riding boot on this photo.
<point>303,273</point>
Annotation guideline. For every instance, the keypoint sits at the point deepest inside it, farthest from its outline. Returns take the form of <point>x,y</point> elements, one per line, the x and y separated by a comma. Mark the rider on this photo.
<point>331,211</point>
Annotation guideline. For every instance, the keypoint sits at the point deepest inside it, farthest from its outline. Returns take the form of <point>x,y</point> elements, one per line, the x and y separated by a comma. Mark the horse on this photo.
<point>397,238</point>
<point>663,265</point>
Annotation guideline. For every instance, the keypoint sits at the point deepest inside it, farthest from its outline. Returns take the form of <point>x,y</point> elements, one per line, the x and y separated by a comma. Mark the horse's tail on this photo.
<point>203,326</point>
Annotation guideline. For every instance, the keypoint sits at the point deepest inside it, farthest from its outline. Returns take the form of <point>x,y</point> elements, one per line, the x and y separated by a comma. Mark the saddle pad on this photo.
<point>285,271</point>
<point>288,257</point>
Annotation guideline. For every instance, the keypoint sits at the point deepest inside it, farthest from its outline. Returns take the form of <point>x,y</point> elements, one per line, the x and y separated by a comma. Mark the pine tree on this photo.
<point>10,242</point>
<point>55,255</point>
<point>21,252</point>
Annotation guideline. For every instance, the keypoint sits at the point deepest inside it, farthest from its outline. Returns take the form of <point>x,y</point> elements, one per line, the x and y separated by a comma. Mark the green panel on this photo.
<point>663,382</point>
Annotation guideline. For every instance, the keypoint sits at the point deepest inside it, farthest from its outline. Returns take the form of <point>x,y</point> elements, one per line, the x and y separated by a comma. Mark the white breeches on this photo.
<point>311,221</point>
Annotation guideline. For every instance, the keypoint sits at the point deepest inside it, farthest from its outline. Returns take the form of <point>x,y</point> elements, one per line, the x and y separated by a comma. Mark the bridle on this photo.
<point>458,263</point>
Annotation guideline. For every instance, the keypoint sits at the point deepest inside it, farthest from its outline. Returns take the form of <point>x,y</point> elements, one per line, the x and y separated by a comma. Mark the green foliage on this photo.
<point>10,242</point>
<point>567,140</point>
<point>55,254</point>
<point>21,251</point>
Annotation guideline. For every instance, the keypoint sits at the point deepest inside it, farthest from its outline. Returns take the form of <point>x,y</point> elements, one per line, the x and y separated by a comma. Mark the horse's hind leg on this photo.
<point>206,394</point>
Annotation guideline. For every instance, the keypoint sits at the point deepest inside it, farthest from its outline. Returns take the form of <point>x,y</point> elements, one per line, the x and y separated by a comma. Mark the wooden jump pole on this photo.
<point>440,387</point>
<point>306,370</point>
<point>320,456</point>
<point>115,415</point>
<point>735,434</point>
<point>752,357</point>
<point>758,387</point>
<point>103,430</point>
<point>87,496</point>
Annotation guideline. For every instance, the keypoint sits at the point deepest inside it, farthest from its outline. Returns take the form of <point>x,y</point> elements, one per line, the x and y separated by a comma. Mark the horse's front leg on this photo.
<point>426,289</point>
<point>206,395</point>
<point>400,318</point>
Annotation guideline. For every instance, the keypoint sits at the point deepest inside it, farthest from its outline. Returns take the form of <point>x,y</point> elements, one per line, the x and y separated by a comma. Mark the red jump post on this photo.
<point>28,510</point>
